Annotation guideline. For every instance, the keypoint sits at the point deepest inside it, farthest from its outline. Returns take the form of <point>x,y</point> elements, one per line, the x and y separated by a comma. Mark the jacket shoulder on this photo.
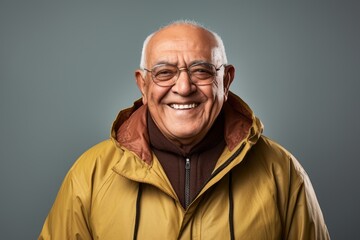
<point>103,153</point>
<point>277,161</point>
<point>95,165</point>
<point>272,148</point>
<point>295,196</point>
<point>70,214</point>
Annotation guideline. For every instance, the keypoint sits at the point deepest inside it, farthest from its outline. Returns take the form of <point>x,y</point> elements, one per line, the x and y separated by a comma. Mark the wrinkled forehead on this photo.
<point>183,39</point>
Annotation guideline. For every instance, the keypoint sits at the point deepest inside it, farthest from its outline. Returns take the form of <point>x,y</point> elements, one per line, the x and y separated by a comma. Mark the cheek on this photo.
<point>215,99</point>
<point>218,90</point>
<point>155,94</point>
<point>215,93</point>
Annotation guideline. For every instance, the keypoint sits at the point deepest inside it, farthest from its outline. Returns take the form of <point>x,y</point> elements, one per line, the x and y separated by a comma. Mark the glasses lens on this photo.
<point>164,73</point>
<point>202,73</point>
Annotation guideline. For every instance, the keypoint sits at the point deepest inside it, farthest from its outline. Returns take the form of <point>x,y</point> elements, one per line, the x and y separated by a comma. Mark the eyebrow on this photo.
<point>175,64</point>
<point>198,61</point>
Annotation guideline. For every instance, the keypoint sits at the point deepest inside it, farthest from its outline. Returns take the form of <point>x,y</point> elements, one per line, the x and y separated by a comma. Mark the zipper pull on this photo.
<point>187,164</point>
<point>187,182</point>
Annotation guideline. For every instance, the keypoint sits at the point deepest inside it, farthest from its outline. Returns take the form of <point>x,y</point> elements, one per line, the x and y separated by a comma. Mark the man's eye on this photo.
<point>201,70</point>
<point>202,73</point>
<point>164,73</point>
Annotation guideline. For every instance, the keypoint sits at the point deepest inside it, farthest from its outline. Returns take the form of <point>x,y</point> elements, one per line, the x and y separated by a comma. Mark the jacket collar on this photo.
<point>130,127</point>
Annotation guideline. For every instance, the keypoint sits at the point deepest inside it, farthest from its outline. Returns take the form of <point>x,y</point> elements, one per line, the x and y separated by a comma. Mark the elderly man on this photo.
<point>187,161</point>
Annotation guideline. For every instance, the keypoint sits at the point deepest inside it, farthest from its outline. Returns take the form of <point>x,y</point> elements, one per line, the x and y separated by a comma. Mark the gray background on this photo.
<point>66,69</point>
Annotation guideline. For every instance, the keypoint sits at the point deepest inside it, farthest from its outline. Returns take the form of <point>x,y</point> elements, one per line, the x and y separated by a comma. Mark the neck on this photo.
<point>186,146</point>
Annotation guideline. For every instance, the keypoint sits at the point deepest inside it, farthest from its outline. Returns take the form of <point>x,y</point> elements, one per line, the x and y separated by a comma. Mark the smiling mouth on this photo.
<point>183,106</point>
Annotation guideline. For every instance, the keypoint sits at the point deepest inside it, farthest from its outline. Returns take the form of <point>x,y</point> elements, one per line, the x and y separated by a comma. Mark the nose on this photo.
<point>184,86</point>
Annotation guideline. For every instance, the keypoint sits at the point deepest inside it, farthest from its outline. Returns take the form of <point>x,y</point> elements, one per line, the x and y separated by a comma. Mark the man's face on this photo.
<point>184,112</point>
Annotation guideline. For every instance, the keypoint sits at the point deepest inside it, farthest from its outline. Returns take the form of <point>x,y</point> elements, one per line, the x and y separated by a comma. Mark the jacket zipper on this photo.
<point>187,182</point>
<point>217,171</point>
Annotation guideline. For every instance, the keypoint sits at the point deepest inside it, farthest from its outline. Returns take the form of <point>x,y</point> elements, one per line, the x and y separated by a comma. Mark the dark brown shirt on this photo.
<point>203,157</point>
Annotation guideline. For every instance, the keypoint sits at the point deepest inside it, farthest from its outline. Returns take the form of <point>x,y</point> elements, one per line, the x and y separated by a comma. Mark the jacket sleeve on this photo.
<point>304,219</point>
<point>69,216</point>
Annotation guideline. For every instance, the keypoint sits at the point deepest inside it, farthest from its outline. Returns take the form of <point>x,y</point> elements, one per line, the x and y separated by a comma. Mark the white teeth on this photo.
<point>183,106</point>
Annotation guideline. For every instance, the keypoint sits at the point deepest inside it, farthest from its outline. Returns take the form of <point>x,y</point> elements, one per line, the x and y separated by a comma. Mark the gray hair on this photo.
<point>183,22</point>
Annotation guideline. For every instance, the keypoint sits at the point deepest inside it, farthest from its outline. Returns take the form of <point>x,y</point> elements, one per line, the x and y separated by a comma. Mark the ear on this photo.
<point>229,75</point>
<point>141,83</point>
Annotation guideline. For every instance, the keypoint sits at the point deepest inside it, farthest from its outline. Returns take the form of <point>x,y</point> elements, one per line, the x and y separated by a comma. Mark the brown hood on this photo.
<point>130,127</point>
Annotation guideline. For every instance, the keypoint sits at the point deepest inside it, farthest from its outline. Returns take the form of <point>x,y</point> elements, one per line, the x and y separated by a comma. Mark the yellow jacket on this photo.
<point>118,190</point>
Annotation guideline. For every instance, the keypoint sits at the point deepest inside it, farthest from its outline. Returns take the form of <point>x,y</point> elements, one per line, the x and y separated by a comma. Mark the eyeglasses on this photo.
<point>166,75</point>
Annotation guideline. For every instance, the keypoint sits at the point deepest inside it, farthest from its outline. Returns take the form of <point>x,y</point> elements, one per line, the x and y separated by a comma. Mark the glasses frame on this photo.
<point>173,82</point>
